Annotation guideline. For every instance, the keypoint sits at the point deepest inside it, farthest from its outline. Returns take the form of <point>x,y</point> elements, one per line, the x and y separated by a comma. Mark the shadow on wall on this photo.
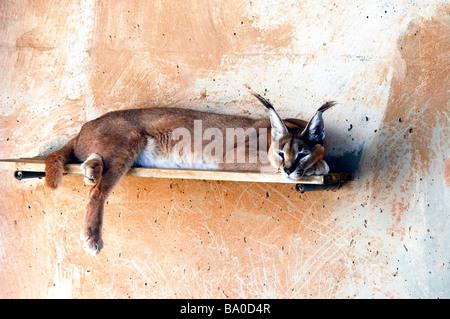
<point>347,161</point>
<point>344,150</point>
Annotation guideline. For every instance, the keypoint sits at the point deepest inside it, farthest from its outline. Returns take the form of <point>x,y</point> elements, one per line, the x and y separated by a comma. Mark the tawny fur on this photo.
<point>110,144</point>
<point>54,164</point>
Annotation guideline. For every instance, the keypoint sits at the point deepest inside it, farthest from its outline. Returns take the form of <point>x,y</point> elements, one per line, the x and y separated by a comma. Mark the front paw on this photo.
<point>92,174</point>
<point>318,168</point>
<point>93,169</point>
<point>92,241</point>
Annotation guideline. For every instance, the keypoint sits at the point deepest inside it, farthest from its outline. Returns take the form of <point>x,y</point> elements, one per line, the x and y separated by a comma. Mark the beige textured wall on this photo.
<point>383,235</point>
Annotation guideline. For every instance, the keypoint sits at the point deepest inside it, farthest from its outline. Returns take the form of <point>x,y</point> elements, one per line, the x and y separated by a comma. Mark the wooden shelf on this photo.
<point>37,165</point>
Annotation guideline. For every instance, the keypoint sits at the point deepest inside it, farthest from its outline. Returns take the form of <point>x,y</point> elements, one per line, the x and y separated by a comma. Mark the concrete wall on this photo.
<point>383,235</point>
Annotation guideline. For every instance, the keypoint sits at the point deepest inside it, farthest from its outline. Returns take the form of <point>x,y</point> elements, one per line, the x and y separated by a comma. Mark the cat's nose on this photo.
<point>287,170</point>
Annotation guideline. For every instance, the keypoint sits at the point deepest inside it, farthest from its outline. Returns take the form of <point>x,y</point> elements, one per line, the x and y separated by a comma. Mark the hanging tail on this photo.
<point>54,164</point>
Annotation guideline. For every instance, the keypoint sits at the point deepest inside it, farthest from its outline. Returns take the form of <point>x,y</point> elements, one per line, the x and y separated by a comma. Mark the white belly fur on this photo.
<point>152,157</point>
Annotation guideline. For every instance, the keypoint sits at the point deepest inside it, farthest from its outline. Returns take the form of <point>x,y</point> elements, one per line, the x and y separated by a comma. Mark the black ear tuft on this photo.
<point>262,100</point>
<point>279,129</point>
<point>326,106</point>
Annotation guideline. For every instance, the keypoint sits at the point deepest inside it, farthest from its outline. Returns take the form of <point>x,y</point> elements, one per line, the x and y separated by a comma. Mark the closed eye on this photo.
<point>281,154</point>
<point>301,154</point>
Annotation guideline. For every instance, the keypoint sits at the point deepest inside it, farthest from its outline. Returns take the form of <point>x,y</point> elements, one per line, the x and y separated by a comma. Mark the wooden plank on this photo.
<point>219,175</point>
<point>38,165</point>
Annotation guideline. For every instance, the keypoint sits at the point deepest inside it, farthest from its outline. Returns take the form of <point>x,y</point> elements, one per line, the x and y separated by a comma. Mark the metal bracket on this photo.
<point>331,182</point>
<point>19,175</point>
<point>303,188</point>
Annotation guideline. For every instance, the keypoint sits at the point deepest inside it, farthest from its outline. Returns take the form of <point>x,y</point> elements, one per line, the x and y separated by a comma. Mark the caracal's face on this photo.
<point>292,156</point>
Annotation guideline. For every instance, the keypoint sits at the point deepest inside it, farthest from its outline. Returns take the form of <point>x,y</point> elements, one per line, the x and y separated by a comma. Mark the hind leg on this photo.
<point>93,169</point>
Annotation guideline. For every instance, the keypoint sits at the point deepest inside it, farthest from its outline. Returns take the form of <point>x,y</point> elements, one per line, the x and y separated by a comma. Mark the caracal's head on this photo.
<point>295,151</point>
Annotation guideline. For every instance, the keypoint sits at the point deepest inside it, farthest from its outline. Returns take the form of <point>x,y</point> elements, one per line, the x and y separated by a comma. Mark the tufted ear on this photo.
<point>279,129</point>
<point>314,131</point>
